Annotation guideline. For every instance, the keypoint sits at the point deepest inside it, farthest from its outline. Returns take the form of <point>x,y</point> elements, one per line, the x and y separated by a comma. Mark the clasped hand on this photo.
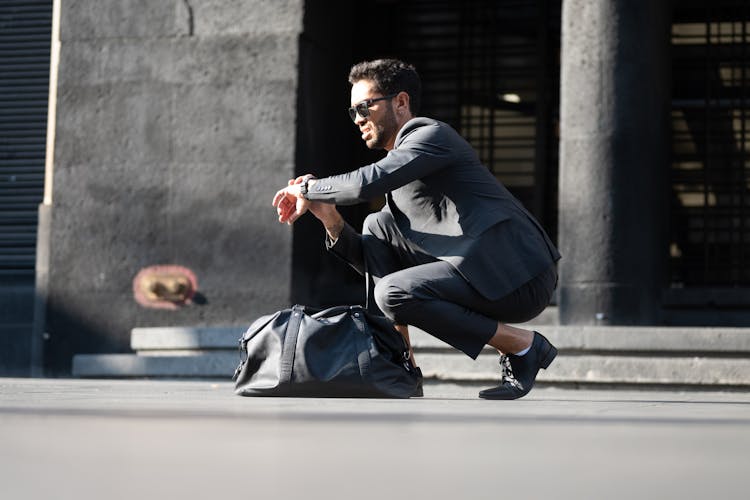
<point>289,202</point>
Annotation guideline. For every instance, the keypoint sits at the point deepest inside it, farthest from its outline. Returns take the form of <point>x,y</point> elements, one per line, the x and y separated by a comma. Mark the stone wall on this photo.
<point>175,126</point>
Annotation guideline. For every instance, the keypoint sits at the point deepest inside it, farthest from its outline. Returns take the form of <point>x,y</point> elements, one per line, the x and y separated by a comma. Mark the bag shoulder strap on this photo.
<point>290,344</point>
<point>363,349</point>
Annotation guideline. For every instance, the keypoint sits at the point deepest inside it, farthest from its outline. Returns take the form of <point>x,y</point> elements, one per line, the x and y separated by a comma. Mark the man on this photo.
<point>452,251</point>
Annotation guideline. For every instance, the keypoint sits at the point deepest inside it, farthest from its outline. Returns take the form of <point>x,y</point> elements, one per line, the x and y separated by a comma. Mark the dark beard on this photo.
<point>383,132</point>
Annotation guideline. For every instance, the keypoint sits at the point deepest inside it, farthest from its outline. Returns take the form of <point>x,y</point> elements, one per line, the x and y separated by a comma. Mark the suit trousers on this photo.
<point>414,288</point>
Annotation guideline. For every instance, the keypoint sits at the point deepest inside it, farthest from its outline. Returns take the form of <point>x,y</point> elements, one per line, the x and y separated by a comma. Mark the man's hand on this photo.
<point>289,202</point>
<point>291,205</point>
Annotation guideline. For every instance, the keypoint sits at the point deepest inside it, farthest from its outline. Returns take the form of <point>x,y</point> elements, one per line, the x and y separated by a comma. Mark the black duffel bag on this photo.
<point>337,352</point>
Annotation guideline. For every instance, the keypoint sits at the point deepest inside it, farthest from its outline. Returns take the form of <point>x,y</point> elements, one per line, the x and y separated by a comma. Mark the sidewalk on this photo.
<point>87,439</point>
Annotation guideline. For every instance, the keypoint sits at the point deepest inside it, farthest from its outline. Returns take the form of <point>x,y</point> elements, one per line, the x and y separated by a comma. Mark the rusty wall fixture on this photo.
<point>164,287</point>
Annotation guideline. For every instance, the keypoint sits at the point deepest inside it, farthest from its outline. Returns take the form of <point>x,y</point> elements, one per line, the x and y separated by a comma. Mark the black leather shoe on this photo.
<point>418,391</point>
<point>518,373</point>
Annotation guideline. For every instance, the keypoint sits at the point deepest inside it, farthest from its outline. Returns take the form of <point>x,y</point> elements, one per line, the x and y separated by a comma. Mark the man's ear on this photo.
<point>402,103</point>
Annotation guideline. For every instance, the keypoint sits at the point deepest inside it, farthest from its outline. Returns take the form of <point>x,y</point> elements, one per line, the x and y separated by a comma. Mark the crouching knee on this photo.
<point>394,299</point>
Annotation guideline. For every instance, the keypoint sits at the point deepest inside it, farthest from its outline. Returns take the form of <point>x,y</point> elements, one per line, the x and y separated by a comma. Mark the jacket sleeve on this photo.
<point>348,247</point>
<point>422,151</point>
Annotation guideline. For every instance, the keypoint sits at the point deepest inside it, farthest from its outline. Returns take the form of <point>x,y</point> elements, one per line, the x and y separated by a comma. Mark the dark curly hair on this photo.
<point>390,76</point>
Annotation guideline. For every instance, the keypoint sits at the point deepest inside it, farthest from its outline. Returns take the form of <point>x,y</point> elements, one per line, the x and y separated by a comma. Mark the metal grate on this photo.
<point>25,29</point>
<point>710,211</point>
<point>491,69</point>
<point>509,95</point>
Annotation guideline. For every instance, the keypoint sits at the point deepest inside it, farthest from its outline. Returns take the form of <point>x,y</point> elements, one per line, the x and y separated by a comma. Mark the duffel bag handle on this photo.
<point>331,311</point>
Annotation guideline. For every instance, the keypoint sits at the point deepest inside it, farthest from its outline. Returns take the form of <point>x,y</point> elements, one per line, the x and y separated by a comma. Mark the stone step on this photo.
<point>226,337</point>
<point>605,339</point>
<point>675,356</point>
<point>630,370</point>
<point>185,338</point>
<point>703,341</point>
<point>550,316</point>
<point>205,365</point>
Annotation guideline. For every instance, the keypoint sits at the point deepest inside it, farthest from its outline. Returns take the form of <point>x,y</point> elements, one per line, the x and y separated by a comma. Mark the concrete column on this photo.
<point>614,108</point>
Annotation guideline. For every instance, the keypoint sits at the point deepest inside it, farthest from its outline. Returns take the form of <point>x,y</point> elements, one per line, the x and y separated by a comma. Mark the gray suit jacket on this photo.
<point>450,205</point>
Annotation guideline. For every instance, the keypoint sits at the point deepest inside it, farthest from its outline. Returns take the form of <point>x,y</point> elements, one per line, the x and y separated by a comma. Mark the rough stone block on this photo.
<point>181,61</point>
<point>218,223</point>
<point>85,19</point>
<point>238,59</point>
<point>99,244</point>
<point>234,17</point>
<point>114,124</point>
<point>253,124</point>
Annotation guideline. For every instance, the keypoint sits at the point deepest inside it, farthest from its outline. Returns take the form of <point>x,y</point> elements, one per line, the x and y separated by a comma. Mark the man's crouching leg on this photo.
<point>404,331</point>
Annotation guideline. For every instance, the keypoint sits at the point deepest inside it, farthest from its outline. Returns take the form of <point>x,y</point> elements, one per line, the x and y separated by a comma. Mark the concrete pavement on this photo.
<point>86,439</point>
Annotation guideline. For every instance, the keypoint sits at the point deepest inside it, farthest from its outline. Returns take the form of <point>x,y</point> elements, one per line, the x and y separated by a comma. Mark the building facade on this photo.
<point>621,124</point>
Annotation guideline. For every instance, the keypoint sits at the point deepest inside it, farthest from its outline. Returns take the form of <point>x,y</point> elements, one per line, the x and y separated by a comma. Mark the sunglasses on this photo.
<point>363,108</point>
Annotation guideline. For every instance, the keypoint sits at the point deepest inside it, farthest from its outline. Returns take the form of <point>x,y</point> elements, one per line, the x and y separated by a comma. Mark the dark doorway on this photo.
<point>490,68</point>
<point>710,172</point>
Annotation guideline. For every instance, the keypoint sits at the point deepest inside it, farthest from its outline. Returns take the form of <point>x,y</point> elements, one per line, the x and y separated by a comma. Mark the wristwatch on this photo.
<point>305,185</point>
